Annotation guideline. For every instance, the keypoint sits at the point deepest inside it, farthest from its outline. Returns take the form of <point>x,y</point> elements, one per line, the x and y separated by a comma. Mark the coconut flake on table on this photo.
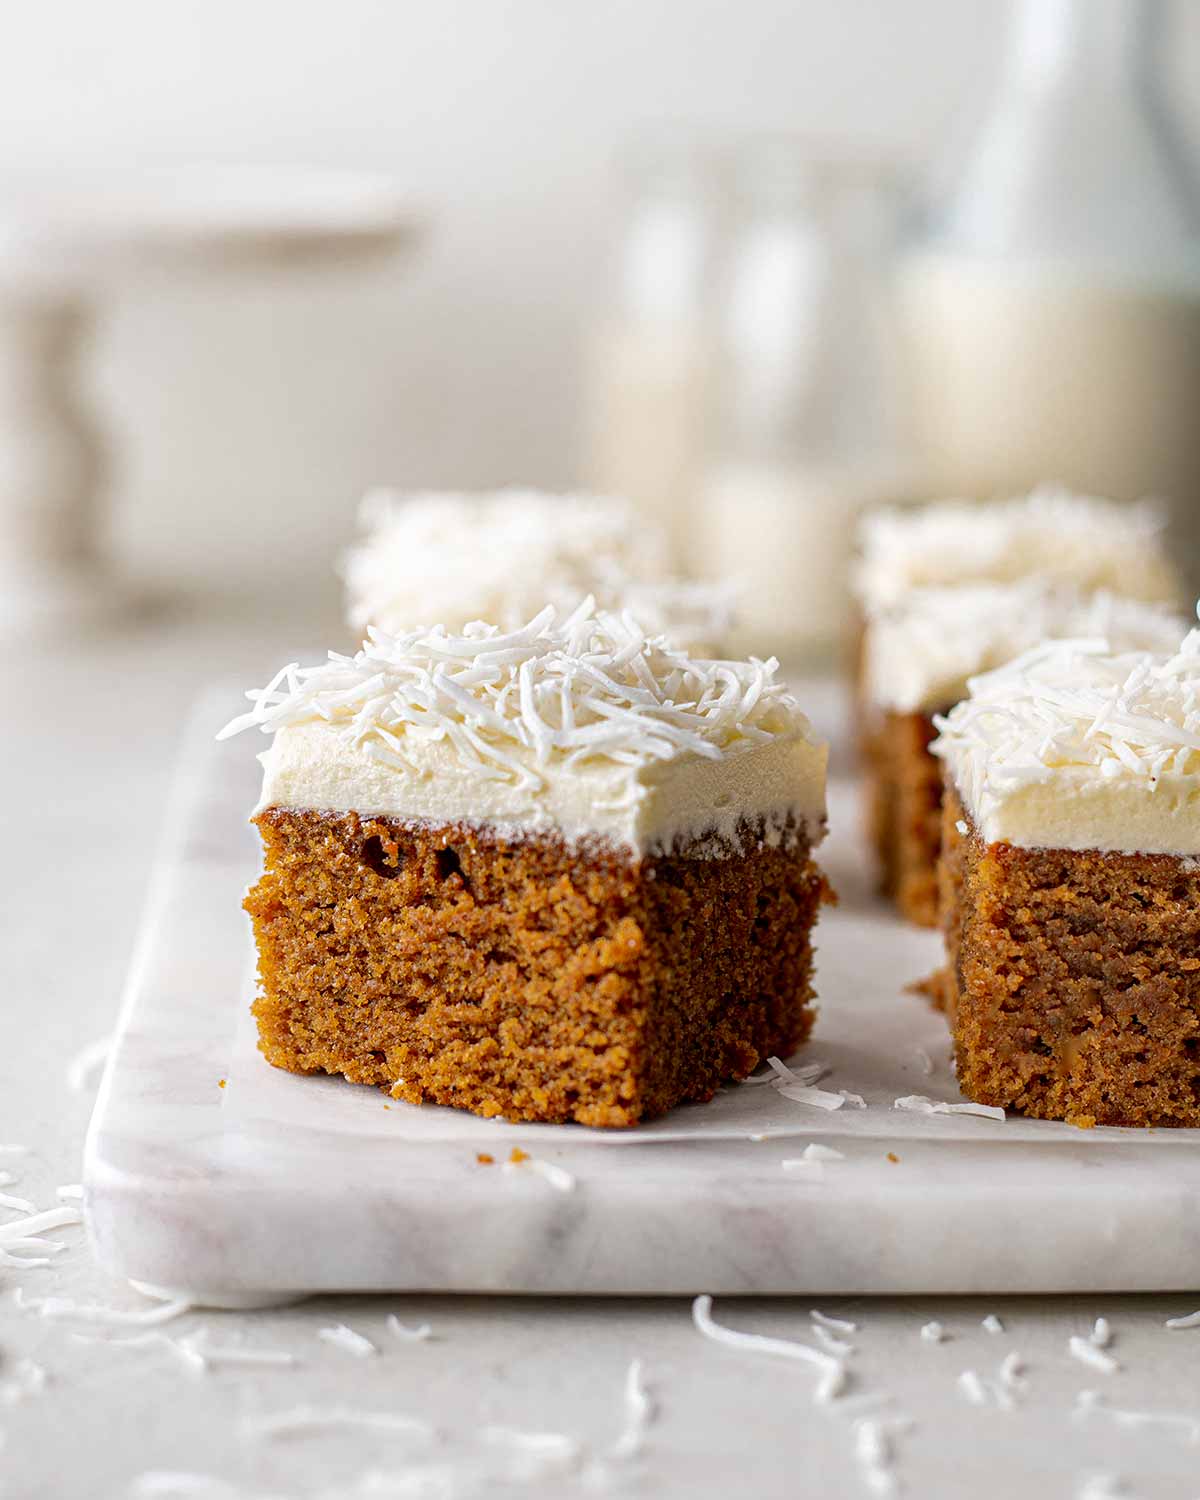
<point>832,1370</point>
<point>1101,1334</point>
<point>1089,1353</point>
<point>20,1205</point>
<point>972,1388</point>
<point>1103,1487</point>
<point>1088,1403</point>
<point>992,1324</point>
<point>297,1421</point>
<point>117,1317</point>
<point>639,1413</point>
<point>343,1337</point>
<point>1192,1320</point>
<point>933,1333</point>
<point>410,1333</point>
<point>875,1453</point>
<point>1011,1373</point>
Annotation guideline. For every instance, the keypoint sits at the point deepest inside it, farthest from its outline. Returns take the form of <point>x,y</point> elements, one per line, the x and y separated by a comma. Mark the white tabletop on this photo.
<point>90,733</point>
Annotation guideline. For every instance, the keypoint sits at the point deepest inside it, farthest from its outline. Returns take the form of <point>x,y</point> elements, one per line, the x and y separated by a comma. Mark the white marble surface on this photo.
<point>92,735</point>
<point>210,1173</point>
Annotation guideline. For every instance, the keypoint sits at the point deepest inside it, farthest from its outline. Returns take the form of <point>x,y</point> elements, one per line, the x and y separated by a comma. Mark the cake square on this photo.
<point>918,658</point>
<point>1070,883</point>
<point>559,873</point>
<point>1083,541</point>
<point>501,555</point>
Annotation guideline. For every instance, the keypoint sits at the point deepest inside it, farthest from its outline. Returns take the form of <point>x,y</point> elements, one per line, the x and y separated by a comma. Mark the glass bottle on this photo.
<point>807,421</point>
<point>1053,303</point>
<point>649,363</point>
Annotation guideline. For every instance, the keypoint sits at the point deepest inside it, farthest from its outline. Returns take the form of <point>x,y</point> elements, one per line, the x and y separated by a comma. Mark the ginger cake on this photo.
<point>1071,884</point>
<point>557,873</point>
<point>918,658</point>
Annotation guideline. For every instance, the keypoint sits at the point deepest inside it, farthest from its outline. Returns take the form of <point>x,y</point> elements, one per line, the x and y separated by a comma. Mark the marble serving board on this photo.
<point>213,1175</point>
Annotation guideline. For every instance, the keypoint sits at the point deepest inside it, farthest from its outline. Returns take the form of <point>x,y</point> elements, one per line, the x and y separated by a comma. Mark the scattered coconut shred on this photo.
<point>875,1453</point>
<point>298,1420</point>
<point>113,1317</point>
<point>639,1413</point>
<point>833,1371</point>
<point>1192,1320</point>
<point>1089,1402</point>
<point>415,1333</point>
<point>1087,1352</point>
<point>799,1085</point>
<point>918,1104</point>
<point>345,1338</point>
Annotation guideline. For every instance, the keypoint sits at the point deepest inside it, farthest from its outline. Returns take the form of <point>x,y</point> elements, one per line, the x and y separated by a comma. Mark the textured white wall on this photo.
<point>252,412</point>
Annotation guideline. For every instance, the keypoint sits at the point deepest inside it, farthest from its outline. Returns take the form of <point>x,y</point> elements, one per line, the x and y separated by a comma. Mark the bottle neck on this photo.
<point>1097,44</point>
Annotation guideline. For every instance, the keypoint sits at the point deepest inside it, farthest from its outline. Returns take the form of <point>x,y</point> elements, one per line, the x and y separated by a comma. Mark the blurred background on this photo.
<point>658,243</point>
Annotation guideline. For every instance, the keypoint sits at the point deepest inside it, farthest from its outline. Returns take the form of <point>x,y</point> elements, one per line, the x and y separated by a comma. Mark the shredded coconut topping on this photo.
<point>513,704</point>
<point>1107,724</point>
<point>1077,539</point>
<point>501,556</point>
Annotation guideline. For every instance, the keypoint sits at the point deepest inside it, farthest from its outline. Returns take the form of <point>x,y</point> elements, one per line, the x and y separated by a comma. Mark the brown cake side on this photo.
<point>904,798</point>
<point>1073,989</point>
<point>526,978</point>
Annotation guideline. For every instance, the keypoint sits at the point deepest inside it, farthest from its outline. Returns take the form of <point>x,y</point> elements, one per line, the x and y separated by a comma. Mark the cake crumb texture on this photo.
<point>527,978</point>
<point>1073,988</point>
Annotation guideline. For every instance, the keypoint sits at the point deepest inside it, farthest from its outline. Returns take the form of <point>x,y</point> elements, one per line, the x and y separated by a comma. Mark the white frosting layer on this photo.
<point>502,556</point>
<point>1052,534</point>
<point>1074,747</point>
<point>584,730</point>
<point>919,654</point>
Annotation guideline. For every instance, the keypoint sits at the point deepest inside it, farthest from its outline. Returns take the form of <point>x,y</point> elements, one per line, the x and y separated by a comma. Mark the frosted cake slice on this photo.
<point>1052,533</point>
<point>918,657</point>
<point>558,873</point>
<point>501,555</point>
<point>1071,885</point>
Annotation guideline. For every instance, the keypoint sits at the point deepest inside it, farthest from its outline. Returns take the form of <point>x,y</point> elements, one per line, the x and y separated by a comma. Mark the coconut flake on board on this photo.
<point>919,1104</point>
